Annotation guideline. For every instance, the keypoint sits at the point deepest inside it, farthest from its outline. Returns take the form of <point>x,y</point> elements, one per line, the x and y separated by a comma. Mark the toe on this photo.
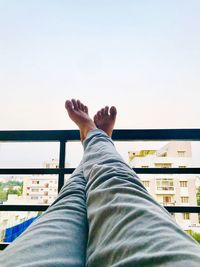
<point>68,105</point>
<point>113,111</point>
<point>102,112</point>
<point>99,115</point>
<point>79,104</point>
<point>74,102</point>
<point>82,107</point>
<point>86,109</point>
<point>106,110</point>
<point>95,119</point>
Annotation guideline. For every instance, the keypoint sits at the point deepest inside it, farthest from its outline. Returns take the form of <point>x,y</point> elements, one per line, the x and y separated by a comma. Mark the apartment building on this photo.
<point>37,189</point>
<point>41,189</point>
<point>170,189</point>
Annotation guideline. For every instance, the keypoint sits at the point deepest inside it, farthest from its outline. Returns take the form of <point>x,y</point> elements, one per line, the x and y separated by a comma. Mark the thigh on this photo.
<point>59,236</point>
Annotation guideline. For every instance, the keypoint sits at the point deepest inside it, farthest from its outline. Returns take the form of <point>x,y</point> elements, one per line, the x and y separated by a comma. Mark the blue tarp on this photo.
<point>13,232</point>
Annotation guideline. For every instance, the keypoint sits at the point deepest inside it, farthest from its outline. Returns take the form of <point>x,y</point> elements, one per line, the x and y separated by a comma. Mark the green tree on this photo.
<point>3,195</point>
<point>198,196</point>
<point>198,199</point>
<point>13,191</point>
<point>14,183</point>
<point>10,185</point>
<point>195,235</point>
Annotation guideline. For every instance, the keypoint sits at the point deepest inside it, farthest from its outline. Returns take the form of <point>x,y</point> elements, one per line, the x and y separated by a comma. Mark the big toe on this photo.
<point>95,119</point>
<point>68,106</point>
<point>113,111</point>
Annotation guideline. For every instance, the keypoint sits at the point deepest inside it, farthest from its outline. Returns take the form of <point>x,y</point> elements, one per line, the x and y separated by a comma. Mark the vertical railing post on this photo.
<point>61,165</point>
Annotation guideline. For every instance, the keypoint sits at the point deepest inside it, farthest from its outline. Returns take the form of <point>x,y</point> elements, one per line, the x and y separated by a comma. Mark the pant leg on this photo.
<point>127,227</point>
<point>59,236</point>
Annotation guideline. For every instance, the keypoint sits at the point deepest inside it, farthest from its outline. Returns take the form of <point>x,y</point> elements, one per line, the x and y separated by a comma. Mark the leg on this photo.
<point>59,236</point>
<point>127,227</point>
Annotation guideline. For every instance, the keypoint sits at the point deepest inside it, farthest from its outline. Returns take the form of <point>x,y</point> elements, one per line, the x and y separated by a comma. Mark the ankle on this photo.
<point>85,131</point>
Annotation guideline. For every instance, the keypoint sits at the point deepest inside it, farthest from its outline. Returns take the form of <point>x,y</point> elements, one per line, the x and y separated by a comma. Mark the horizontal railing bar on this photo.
<point>181,209</point>
<point>174,209</point>
<point>156,135</point>
<point>167,170</point>
<point>40,136</point>
<point>3,245</point>
<point>118,135</point>
<point>33,171</point>
<point>23,207</point>
<point>37,171</point>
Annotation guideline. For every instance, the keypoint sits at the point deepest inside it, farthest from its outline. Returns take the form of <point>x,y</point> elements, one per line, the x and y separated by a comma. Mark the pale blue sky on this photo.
<point>142,56</point>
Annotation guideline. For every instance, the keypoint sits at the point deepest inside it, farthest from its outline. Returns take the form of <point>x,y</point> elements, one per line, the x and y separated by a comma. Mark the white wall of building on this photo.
<point>169,189</point>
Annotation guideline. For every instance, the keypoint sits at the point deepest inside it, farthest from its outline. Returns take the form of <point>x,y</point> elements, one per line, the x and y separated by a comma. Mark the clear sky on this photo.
<point>142,56</point>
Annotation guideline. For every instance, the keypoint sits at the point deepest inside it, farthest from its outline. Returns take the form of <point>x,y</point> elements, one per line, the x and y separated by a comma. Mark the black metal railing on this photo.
<point>65,136</point>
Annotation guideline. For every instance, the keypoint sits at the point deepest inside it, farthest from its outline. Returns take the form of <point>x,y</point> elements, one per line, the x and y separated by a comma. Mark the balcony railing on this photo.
<point>168,204</point>
<point>65,136</point>
<point>168,190</point>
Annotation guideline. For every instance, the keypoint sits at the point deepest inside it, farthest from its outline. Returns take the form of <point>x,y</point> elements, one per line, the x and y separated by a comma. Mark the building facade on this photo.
<point>168,189</point>
<point>41,189</point>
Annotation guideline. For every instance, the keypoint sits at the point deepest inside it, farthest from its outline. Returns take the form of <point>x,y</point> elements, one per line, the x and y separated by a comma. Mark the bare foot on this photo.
<point>79,114</point>
<point>105,119</point>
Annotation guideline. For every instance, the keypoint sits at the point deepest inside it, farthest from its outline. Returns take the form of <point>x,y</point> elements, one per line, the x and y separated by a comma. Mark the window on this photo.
<point>167,199</point>
<point>184,199</point>
<point>145,183</point>
<point>165,184</point>
<point>186,216</point>
<point>182,166</point>
<point>34,198</point>
<point>35,190</point>
<point>181,153</point>
<point>35,182</point>
<point>183,183</point>
<point>145,166</point>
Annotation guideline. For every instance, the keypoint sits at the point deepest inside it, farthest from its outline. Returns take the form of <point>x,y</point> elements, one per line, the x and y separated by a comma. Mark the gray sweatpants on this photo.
<point>103,216</point>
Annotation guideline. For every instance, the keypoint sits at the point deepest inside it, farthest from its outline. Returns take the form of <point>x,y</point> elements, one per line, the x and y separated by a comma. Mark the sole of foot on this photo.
<point>78,113</point>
